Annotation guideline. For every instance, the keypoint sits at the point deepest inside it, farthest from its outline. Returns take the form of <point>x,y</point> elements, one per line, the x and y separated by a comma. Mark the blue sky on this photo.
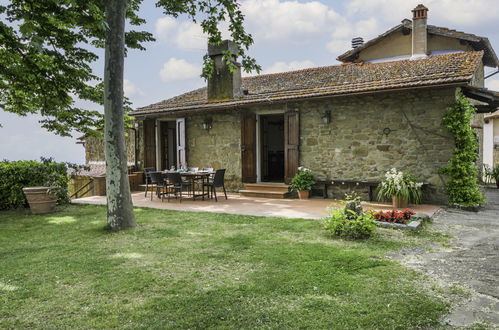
<point>288,35</point>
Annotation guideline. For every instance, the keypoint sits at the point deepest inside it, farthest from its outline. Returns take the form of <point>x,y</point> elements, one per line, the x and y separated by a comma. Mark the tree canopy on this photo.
<point>47,48</point>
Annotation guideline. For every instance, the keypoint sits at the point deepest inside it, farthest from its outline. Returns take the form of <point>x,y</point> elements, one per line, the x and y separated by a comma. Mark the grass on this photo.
<point>202,270</point>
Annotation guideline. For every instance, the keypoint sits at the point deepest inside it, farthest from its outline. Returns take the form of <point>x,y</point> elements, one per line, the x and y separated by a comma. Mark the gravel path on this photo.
<point>472,261</point>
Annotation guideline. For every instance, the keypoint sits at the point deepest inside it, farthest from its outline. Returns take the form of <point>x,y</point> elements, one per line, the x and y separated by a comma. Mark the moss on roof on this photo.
<point>333,80</point>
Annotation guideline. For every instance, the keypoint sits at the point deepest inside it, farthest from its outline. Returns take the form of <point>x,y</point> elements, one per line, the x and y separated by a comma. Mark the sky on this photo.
<point>289,35</point>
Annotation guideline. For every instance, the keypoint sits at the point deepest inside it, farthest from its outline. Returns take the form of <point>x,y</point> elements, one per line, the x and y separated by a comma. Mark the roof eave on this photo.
<point>219,107</point>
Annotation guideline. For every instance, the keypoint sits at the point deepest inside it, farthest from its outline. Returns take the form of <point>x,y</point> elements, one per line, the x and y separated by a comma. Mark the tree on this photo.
<point>45,56</point>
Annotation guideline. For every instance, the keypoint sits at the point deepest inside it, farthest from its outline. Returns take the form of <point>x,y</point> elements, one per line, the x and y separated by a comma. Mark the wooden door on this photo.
<point>181,152</point>
<point>150,143</point>
<point>291,144</point>
<point>248,148</point>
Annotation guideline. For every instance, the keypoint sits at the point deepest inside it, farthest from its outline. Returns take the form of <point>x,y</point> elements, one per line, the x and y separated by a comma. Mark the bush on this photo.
<point>303,180</point>
<point>16,175</point>
<point>462,186</point>
<point>350,221</point>
<point>340,223</point>
<point>395,216</point>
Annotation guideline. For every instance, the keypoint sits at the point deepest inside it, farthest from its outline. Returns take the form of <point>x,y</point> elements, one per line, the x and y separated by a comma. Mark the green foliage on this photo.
<point>14,176</point>
<point>350,221</point>
<point>492,174</point>
<point>346,223</point>
<point>462,186</point>
<point>303,180</point>
<point>47,49</point>
<point>402,185</point>
<point>46,56</point>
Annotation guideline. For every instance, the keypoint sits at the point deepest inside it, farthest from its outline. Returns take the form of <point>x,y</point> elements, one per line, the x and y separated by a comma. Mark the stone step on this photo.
<point>266,193</point>
<point>267,186</point>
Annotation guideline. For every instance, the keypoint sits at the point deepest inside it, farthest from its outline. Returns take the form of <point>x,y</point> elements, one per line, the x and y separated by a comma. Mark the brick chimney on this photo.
<point>419,34</point>
<point>224,84</point>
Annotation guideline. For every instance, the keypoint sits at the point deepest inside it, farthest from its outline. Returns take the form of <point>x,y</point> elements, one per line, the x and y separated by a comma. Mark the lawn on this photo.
<point>203,270</point>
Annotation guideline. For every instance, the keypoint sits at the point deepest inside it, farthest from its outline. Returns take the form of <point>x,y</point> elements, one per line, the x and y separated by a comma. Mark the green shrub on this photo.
<point>462,187</point>
<point>303,180</point>
<point>347,224</point>
<point>15,175</point>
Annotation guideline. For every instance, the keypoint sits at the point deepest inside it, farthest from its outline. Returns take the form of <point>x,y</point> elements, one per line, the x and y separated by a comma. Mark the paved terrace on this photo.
<point>314,208</point>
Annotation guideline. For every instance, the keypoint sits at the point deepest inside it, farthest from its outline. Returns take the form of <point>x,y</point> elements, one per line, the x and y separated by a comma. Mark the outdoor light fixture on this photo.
<point>207,123</point>
<point>326,117</point>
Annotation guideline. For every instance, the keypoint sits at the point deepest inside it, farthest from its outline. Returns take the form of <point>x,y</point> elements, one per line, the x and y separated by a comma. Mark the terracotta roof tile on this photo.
<point>334,80</point>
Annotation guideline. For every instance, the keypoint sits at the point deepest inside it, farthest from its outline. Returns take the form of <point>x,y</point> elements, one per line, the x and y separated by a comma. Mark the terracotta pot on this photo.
<point>41,199</point>
<point>399,203</point>
<point>303,194</point>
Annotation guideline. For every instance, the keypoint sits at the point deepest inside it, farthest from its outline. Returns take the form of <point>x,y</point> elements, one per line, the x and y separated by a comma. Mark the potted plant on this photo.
<point>493,174</point>
<point>401,188</point>
<point>302,182</point>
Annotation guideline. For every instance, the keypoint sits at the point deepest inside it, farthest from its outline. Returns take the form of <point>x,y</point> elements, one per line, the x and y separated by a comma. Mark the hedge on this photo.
<point>15,175</point>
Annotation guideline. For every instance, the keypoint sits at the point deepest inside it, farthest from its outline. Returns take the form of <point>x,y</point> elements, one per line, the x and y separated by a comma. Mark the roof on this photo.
<point>494,115</point>
<point>477,42</point>
<point>333,80</point>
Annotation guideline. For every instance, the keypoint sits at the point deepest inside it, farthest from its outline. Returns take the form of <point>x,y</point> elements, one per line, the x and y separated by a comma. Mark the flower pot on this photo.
<point>41,199</point>
<point>399,202</point>
<point>303,194</point>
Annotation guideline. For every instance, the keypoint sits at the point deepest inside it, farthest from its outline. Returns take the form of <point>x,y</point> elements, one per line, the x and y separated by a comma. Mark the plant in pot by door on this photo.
<point>302,182</point>
<point>401,188</point>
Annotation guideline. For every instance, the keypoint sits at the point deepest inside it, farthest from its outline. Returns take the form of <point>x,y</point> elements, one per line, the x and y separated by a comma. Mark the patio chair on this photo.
<point>176,185</point>
<point>218,181</point>
<point>148,170</point>
<point>158,179</point>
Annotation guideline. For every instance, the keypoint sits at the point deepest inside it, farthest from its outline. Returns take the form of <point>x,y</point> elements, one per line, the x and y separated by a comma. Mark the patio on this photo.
<point>314,208</point>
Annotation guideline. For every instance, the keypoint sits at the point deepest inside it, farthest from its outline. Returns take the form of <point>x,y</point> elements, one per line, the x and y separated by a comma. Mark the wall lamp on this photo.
<point>326,117</point>
<point>207,122</point>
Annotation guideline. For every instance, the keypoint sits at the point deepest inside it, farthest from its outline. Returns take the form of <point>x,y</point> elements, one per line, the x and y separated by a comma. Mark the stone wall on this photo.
<point>94,148</point>
<point>351,147</point>
<point>219,147</point>
<point>354,147</point>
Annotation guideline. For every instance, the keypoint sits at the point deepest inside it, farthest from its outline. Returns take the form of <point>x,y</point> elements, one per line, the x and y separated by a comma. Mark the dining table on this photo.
<point>194,177</point>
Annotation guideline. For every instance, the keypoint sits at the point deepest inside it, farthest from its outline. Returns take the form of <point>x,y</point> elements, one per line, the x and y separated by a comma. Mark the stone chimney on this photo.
<point>224,84</point>
<point>419,34</point>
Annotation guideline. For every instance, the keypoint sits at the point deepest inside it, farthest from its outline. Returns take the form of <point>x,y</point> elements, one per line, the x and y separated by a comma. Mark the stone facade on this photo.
<point>354,147</point>
<point>219,147</point>
<point>367,136</point>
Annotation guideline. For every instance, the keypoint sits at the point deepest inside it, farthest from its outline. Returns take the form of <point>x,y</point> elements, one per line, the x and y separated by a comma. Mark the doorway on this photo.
<point>272,148</point>
<point>168,144</point>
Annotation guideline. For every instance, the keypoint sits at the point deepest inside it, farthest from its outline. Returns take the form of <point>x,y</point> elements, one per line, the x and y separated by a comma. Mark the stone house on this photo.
<point>491,140</point>
<point>381,108</point>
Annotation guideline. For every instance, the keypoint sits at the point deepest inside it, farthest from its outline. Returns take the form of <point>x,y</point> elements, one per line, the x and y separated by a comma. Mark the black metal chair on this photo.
<point>218,181</point>
<point>158,180</point>
<point>176,185</point>
<point>148,170</point>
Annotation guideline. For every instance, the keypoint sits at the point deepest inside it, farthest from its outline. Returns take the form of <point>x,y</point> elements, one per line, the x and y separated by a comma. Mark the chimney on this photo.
<point>356,42</point>
<point>419,34</point>
<point>224,84</point>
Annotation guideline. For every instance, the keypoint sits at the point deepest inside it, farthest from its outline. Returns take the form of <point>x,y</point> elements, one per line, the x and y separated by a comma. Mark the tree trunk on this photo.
<point>119,200</point>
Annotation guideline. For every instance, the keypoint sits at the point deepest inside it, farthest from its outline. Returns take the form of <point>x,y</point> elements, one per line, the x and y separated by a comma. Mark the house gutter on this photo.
<point>198,108</point>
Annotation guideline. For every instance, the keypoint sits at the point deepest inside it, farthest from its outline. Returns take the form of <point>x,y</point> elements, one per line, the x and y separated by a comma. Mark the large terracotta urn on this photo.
<point>41,199</point>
